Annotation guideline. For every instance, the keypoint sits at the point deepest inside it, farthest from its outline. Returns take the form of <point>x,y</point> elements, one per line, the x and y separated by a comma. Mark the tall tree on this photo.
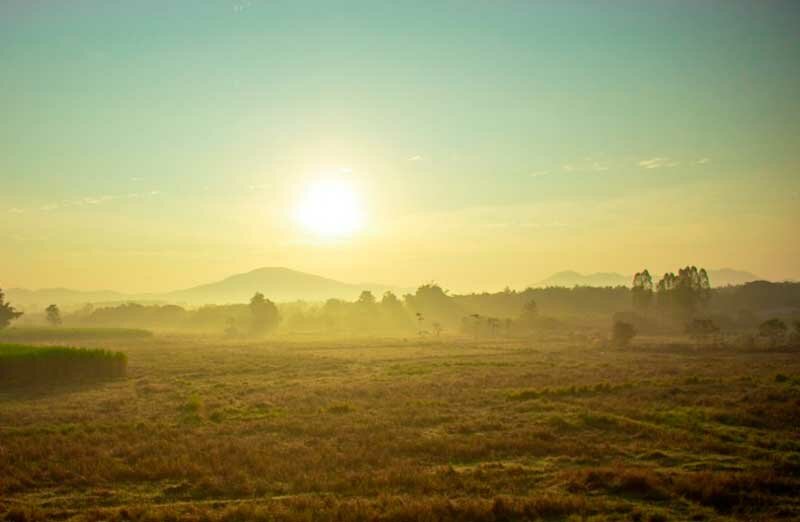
<point>7,312</point>
<point>53,315</point>
<point>682,294</point>
<point>264,313</point>
<point>642,291</point>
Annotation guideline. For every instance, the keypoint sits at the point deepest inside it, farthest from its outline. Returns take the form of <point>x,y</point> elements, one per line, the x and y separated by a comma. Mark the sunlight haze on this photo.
<point>150,146</point>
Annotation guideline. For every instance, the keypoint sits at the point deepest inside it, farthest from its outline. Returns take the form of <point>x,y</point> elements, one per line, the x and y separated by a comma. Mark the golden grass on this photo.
<point>392,429</point>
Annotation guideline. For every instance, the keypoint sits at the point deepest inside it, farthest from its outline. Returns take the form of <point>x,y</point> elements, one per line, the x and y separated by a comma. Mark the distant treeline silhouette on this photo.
<point>670,304</point>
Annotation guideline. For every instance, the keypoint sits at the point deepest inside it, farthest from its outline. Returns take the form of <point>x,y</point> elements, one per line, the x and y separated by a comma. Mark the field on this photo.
<point>284,429</point>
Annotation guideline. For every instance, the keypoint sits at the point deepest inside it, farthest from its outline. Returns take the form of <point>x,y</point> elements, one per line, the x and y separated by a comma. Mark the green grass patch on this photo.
<point>34,365</point>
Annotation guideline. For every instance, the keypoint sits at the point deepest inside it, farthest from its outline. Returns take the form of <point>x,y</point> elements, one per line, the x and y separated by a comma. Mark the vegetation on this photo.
<point>622,334</point>
<point>265,315</point>
<point>547,428</point>
<point>32,365</point>
<point>53,315</point>
<point>773,329</point>
<point>7,312</point>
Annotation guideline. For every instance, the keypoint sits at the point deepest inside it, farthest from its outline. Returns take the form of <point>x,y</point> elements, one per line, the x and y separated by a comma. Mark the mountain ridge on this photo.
<point>568,278</point>
<point>284,284</point>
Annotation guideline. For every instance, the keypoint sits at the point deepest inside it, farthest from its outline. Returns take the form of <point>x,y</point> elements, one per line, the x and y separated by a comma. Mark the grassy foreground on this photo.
<point>211,429</point>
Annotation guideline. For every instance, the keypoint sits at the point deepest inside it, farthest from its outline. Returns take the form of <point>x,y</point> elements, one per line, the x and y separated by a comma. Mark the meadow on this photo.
<point>550,428</point>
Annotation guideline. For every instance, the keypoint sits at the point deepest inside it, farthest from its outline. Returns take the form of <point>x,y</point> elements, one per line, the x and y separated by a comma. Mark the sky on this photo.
<point>150,146</point>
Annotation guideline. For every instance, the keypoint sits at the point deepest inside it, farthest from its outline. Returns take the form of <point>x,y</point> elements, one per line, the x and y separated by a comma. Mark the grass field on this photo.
<point>213,429</point>
<point>63,335</point>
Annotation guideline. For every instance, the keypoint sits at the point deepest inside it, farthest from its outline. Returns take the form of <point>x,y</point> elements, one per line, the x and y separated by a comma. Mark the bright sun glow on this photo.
<point>330,208</point>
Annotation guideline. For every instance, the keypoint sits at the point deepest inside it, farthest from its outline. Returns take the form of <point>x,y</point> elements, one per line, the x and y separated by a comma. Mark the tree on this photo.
<point>264,313</point>
<point>53,315</point>
<point>7,312</point>
<point>774,330</point>
<point>692,289</point>
<point>664,295</point>
<point>642,291</point>
<point>366,298</point>
<point>622,334</point>
<point>682,294</point>
<point>702,329</point>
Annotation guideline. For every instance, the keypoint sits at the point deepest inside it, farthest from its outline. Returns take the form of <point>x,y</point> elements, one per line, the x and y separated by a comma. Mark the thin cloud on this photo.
<point>539,173</point>
<point>657,163</point>
<point>704,161</point>
<point>591,166</point>
<point>415,158</point>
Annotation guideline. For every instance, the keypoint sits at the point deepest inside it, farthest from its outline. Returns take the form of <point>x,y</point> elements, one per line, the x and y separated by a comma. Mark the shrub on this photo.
<point>622,334</point>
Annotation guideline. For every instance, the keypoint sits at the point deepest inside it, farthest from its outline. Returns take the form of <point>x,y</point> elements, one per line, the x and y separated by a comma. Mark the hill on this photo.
<point>569,278</point>
<point>277,283</point>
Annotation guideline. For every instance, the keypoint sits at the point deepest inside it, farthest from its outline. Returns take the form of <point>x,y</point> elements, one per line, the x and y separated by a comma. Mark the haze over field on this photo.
<point>395,261</point>
<point>149,146</point>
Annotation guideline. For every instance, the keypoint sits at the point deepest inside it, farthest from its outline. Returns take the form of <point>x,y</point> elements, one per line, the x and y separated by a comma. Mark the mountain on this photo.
<point>729,276</point>
<point>569,278</point>
<point>34,299</point>
<point>276,283</point>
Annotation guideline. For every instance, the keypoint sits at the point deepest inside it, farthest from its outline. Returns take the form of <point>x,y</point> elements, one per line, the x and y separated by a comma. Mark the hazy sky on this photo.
<point>156,145</point>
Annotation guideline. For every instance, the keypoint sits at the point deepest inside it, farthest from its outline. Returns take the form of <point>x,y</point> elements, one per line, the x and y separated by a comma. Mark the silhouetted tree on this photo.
<point>264,314</point>
<point>7,312</point>
<point>622,334</point>
<point>664,292</point>
<point>420,319</point>
<point>682,294</point>
<point>642,291</point>
<point>434,303</point>
<point>393,313</point>
<point>692,289</point>
<point>774,330</point>
<point>53,315</point>
<point>366,298</point>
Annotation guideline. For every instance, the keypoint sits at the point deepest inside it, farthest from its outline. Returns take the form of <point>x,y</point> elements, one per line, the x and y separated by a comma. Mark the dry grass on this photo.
<point>213,429</point>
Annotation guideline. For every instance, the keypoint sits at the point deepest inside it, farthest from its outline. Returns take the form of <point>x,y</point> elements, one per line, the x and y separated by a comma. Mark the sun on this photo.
<point>330,208</point>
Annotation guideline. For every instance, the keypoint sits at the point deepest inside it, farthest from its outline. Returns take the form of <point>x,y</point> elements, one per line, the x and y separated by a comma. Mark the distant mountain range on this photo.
<point>277,283</point>
<point>721,277</point>
<point>283,284</point>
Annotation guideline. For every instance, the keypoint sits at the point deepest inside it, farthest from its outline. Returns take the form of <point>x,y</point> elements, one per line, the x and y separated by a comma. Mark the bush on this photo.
<point>774,330</point>
<point>622,334</point>
<point>25,365</point>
